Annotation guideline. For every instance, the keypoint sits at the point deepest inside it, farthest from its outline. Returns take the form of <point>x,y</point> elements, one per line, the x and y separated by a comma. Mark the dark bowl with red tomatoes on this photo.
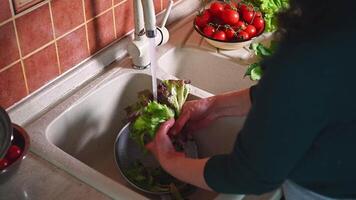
<point>229,25</point>
<point>19,147</point>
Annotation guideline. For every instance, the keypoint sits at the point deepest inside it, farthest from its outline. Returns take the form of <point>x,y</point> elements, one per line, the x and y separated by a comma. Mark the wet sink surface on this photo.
<point>206,70</point>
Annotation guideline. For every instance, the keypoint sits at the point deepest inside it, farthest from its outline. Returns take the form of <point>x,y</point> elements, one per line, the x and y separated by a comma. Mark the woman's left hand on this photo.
<point>162,148</point>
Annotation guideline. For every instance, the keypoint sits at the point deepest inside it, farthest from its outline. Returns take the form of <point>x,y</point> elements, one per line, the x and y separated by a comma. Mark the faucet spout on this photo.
<point>150,18</point>
<point>145,27</point>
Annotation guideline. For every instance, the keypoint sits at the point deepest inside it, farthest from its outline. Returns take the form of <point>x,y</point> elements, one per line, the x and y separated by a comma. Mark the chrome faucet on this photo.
<point>145,28</point>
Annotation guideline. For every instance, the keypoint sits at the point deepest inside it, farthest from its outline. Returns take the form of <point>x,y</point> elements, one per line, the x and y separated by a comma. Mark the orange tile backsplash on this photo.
<point>12,85</point>
<point>9,54</point>
<point>41,67</point>
<point>72,48</point>
<point>43,42</point>
<point>34,29</point>
<point>5,12</point>
<point>67,14</point>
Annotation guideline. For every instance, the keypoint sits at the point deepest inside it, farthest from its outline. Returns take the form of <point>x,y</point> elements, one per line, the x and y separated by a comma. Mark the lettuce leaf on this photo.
<point>145,126</point>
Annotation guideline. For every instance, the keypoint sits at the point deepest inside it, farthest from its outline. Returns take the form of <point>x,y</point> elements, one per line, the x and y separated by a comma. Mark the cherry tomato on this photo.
<point>242,35</point>
<point>258,14</point>
<point>240,25</point>
<point>4,163</point>
<point>230,17</point>
<point>220,35</point>
<point>230,34</point>
<point>259,23</point>
<point>230,5</point>
<point>216,8</point>
<point>248,16</point>
<point>203,19</point>
<point>13,153</point>
<point>251,30</point>
<point>244,7</point>
<point>209,30</point>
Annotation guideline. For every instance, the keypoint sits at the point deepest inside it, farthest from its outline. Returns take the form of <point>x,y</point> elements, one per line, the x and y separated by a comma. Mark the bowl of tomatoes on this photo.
<point>229,25</point>
<point>16,152</point>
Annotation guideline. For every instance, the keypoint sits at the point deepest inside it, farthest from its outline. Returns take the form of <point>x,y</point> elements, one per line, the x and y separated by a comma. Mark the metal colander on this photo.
<point>127,152</point>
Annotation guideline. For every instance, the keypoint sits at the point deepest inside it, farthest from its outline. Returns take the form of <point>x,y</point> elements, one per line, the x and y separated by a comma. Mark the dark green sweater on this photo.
<point>301,126</point>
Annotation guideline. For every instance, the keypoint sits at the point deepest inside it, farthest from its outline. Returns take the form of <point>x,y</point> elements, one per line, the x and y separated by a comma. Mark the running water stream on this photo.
<point>152,55</point>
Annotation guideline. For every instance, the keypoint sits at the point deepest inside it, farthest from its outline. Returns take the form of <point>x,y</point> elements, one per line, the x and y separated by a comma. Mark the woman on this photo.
<point>300,130</point>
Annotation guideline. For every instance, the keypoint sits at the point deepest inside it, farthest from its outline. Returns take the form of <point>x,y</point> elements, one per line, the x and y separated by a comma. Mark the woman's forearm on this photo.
<point>232,103</point>
<point>188,170</point>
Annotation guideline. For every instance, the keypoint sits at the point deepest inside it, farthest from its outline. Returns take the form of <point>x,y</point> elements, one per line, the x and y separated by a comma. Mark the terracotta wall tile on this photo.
<point>67,14</point>
<point>101,31</point>
<point>5,12</point>
<point>72,49</point>
<point>158,7</point>
<point>95,7</point>
<point>34,29</point>
<point>8,45</point>
<point>41,67</point>
<point>12,86</point>
<point>165,4</point>
<point>124,18</point>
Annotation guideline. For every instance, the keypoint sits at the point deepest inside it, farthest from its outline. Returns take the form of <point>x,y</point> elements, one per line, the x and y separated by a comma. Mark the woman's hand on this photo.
<point>161,147</point>
<point>200,113</point>
<point>195,114</point>
<point>175,163</point>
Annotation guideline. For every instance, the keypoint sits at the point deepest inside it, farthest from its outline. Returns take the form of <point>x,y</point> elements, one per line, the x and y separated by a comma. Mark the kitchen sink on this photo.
<point>207,70</point>
<point>77,131</point>
<point>88,129</point>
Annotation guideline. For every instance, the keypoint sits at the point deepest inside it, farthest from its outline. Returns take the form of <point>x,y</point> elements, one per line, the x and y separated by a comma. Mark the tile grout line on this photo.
<point>113,16</point>
<point>12,10</point>
<point>54,37</point>
<point>21,58</point>
<point>86,27</point>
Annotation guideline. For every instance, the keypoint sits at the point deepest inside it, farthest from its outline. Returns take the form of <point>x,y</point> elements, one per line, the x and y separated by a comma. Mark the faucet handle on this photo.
<point>167,13</point>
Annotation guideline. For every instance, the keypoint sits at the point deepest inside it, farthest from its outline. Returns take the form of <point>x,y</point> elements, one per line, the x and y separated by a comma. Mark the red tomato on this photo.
<point>230,34</point>
<point>220,35</point>
<point>231,5</point>
<point>216,8</point>
<point>248,16</point>
<point>251,30</point>
<point>203,19</point>
<point>240,25</point>
<point>209,30</point>
<point>230,17</point>
<point>243,35</point>
<point>4,163</point>
<point>13,153</point>
<point>244,7</point>
<point>259,23</point>
<point>258,14</point>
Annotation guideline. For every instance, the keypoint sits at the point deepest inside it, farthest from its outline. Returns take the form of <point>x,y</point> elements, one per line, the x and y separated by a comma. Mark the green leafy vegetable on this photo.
<point>270,10</point>
<point>146,115</point>
<point>173,93</point>
<point>260,50</point>
<point>145,126</point>
<point>255,70</point>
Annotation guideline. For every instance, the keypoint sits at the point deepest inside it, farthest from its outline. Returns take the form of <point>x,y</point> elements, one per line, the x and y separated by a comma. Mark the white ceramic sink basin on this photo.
<point>88,129</point>
<point>206,70</point>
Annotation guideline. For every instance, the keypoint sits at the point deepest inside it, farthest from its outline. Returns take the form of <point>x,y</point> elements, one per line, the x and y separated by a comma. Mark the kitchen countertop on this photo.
<point>37,178</point>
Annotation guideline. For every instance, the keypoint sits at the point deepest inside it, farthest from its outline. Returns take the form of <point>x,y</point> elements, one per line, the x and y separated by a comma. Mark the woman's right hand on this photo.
<point>195,114</point>
<point>198,114</point>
